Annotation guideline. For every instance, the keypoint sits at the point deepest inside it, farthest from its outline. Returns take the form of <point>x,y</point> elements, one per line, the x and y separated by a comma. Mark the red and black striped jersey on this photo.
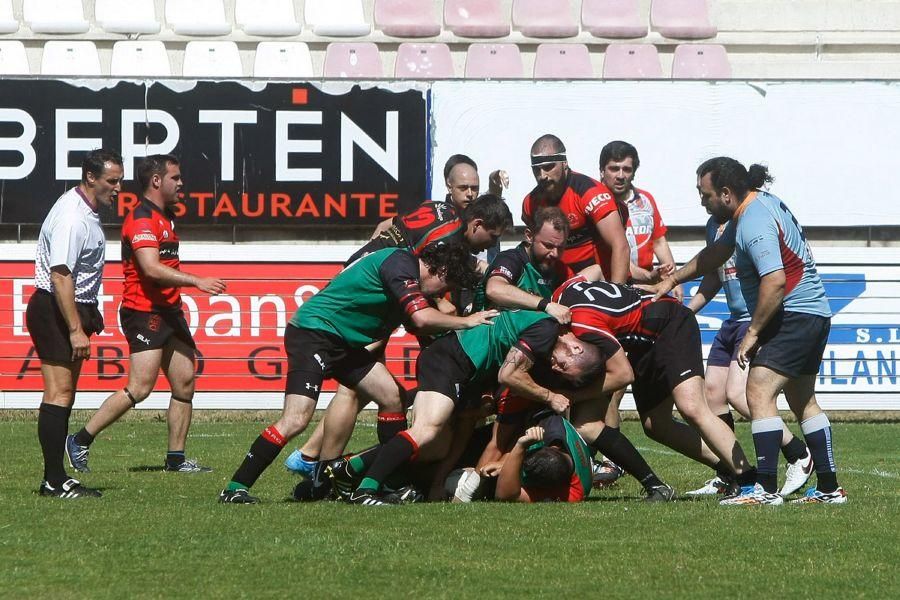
<point>148,226</point>
<point>604,311</point>
<point>585,202</point>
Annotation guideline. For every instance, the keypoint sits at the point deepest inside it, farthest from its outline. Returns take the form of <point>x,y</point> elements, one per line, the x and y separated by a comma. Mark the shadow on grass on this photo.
<point>146,468</point>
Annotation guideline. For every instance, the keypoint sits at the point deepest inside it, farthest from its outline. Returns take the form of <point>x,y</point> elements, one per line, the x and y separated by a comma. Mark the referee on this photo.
<point>62,313</point>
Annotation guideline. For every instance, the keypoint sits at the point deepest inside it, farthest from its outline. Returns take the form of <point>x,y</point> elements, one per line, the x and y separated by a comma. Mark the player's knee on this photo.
<point>183,398</point>
<point>137,396</point>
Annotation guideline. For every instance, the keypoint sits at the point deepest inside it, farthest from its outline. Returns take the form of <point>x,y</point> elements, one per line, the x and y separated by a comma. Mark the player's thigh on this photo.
<point>736,388</point>
<point>763,386</point>
<point>716,388</point>
<point>433,412</point>
<point>143,370</point>
<point>179,367</point>
<point>690,399</point>
<point>380,387</point>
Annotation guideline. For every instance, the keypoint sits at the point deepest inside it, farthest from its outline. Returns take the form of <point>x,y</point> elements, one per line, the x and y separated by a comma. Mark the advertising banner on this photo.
<point>809,134</point>
<point>239,334</point>
<point>251,153</point>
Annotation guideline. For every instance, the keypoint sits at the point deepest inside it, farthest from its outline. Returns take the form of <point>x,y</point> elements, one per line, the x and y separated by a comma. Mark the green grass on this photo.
<point>157,534</point>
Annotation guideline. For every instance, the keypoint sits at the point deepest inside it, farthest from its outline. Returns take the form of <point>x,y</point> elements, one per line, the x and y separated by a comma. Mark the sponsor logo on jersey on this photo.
<point>143,237</point>
<point>597,201</point>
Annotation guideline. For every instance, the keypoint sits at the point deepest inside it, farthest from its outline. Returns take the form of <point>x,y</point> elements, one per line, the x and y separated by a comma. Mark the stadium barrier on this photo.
<point>239,334</point>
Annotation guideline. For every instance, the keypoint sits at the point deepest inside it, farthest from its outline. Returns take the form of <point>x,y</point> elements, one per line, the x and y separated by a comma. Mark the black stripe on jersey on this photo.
<point>168,250</point>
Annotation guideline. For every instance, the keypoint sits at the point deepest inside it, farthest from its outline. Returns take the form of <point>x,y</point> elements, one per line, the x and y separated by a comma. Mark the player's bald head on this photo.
<point>547,144</point>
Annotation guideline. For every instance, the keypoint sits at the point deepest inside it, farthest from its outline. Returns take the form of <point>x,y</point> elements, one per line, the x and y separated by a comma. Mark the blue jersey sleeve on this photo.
<point>760,240</point>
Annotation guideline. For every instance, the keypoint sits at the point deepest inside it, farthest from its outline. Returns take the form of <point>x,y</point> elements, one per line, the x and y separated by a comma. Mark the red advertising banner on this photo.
<point>239,334</point>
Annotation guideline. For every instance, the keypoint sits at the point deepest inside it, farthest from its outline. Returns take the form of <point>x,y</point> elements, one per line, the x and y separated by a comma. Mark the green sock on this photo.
<point>369,484</point>
<point>234,485</point>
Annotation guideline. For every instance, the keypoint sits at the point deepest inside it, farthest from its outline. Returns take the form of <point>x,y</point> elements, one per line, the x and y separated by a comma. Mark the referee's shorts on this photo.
<point>48,328</point>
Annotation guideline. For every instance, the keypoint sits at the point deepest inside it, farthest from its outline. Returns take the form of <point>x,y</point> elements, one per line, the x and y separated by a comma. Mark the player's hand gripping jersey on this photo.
<point>610,315</point>
<point>585,202</point>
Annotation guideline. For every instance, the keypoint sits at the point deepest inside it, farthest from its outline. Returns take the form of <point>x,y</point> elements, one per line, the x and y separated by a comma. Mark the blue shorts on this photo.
<point>793,344</point>
<point>727,342</point>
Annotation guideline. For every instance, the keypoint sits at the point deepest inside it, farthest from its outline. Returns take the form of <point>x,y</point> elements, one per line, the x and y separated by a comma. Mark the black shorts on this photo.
<point>675,356</point>
<point>153,330</point>
<point>793,343</point>
<point>727,342</point>
<point>48,328</point>
<point>315,355</point>
<point>444,367</point>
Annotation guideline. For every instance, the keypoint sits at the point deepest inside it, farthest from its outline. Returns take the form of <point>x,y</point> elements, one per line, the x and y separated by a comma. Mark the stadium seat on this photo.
<point>137,16</point>
<point>8,22</point>
<point>631,61</point>
<point>494,61</point>
<point>701,61</point>
<point>544,18</point>
<point>336,18</point>
<point>266,17</point>
<point>612,18</point>
<point>476,18</point>
<point>212,59</point>
<point>140,59</point>
<point>424,61</point>
<point>563,61</point>
<point>681,19</point>
<point>282,59</point>
<point>70,58</point>
<point>13,60</point>
<point>359,60</point>
<point>55,16</point>
<point>406,18</point>
<point>197,17</point>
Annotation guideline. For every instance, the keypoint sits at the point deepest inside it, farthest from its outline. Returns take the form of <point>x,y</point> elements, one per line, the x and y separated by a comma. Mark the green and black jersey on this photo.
<point>516,266</point>
<point>368,300</point>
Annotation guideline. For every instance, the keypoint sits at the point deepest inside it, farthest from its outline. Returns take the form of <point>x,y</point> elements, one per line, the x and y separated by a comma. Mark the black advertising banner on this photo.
<point>294,154</point>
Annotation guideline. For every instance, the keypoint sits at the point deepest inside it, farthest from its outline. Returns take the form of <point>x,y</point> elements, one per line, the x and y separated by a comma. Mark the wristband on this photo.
<point>542,305</point>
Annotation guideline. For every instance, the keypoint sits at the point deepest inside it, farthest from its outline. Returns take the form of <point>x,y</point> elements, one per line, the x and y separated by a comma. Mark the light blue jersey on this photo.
<point>768,238</point>
<point>728,275</point>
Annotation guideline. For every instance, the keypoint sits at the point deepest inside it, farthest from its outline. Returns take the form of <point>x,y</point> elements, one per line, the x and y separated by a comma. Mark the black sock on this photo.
<point>817,430</point>
<point>308,458</point>
<point>389,425</point>
<point>619,449</point>
<point>262,453</point>
<point>83,438</point>
<point>393,454</point>
<point>722,471</point>
<point>729,420</point>
<point>174,458</point>
<point>53,427</point>
<point>794,450</point>
<point>749,477</point>
<point>363,461</point>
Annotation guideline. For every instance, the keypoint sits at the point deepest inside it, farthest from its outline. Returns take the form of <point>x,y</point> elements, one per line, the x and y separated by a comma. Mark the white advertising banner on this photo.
<point>829,144</point>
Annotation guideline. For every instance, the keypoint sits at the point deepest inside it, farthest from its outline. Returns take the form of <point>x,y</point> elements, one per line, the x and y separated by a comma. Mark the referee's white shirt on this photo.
<point>71,235</point>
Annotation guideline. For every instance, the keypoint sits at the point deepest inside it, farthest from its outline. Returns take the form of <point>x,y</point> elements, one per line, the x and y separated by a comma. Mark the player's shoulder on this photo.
<point>581,184</point>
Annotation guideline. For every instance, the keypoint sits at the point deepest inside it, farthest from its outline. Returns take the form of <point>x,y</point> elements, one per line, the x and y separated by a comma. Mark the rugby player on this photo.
<point>328,335</point>
<point>789,325</point>
<point>62,313</point>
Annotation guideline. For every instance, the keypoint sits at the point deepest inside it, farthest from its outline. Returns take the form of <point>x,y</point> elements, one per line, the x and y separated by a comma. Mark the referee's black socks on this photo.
<point>83,438</point>
<point>53,427</point>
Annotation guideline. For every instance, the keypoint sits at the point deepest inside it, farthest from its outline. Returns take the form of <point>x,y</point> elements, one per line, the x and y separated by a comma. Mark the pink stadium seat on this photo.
<point>544,18</point>
<point>612,18</point>
<point>406,18</point>
<point>494,61</point>
<point>356,60</point>
<point>476,18</point>
<point>424,61</point>
<point>563,61</point>
<point>631,61</point>
<point>701,61</point>
<point>681,19</point>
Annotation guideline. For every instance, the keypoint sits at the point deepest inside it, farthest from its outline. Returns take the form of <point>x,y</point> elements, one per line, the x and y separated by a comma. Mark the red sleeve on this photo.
<point>526,209</point>
<point>659,228</point>
<point>141,233</point>
<point>597,203</point>
<point>557,293</point>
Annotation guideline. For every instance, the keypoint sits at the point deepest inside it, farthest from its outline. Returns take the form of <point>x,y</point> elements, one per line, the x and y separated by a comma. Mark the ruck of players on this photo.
<point>525,353</point>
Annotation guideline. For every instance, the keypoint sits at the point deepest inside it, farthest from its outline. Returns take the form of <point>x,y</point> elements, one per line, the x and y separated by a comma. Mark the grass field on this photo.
<point>157,534</point>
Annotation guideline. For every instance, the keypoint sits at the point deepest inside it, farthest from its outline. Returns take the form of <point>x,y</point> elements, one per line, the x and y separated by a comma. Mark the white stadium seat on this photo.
<point>8,23</point>
<point>282,59</point>
<point>212,59</point>
<point>266,17</point>
<point>13,60</point>
<point>197,17</point>
<point>133,16</point>
<point>70,58</point>
<point>55,16</point>
<point>140,59</point>
<point>336,18</point>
